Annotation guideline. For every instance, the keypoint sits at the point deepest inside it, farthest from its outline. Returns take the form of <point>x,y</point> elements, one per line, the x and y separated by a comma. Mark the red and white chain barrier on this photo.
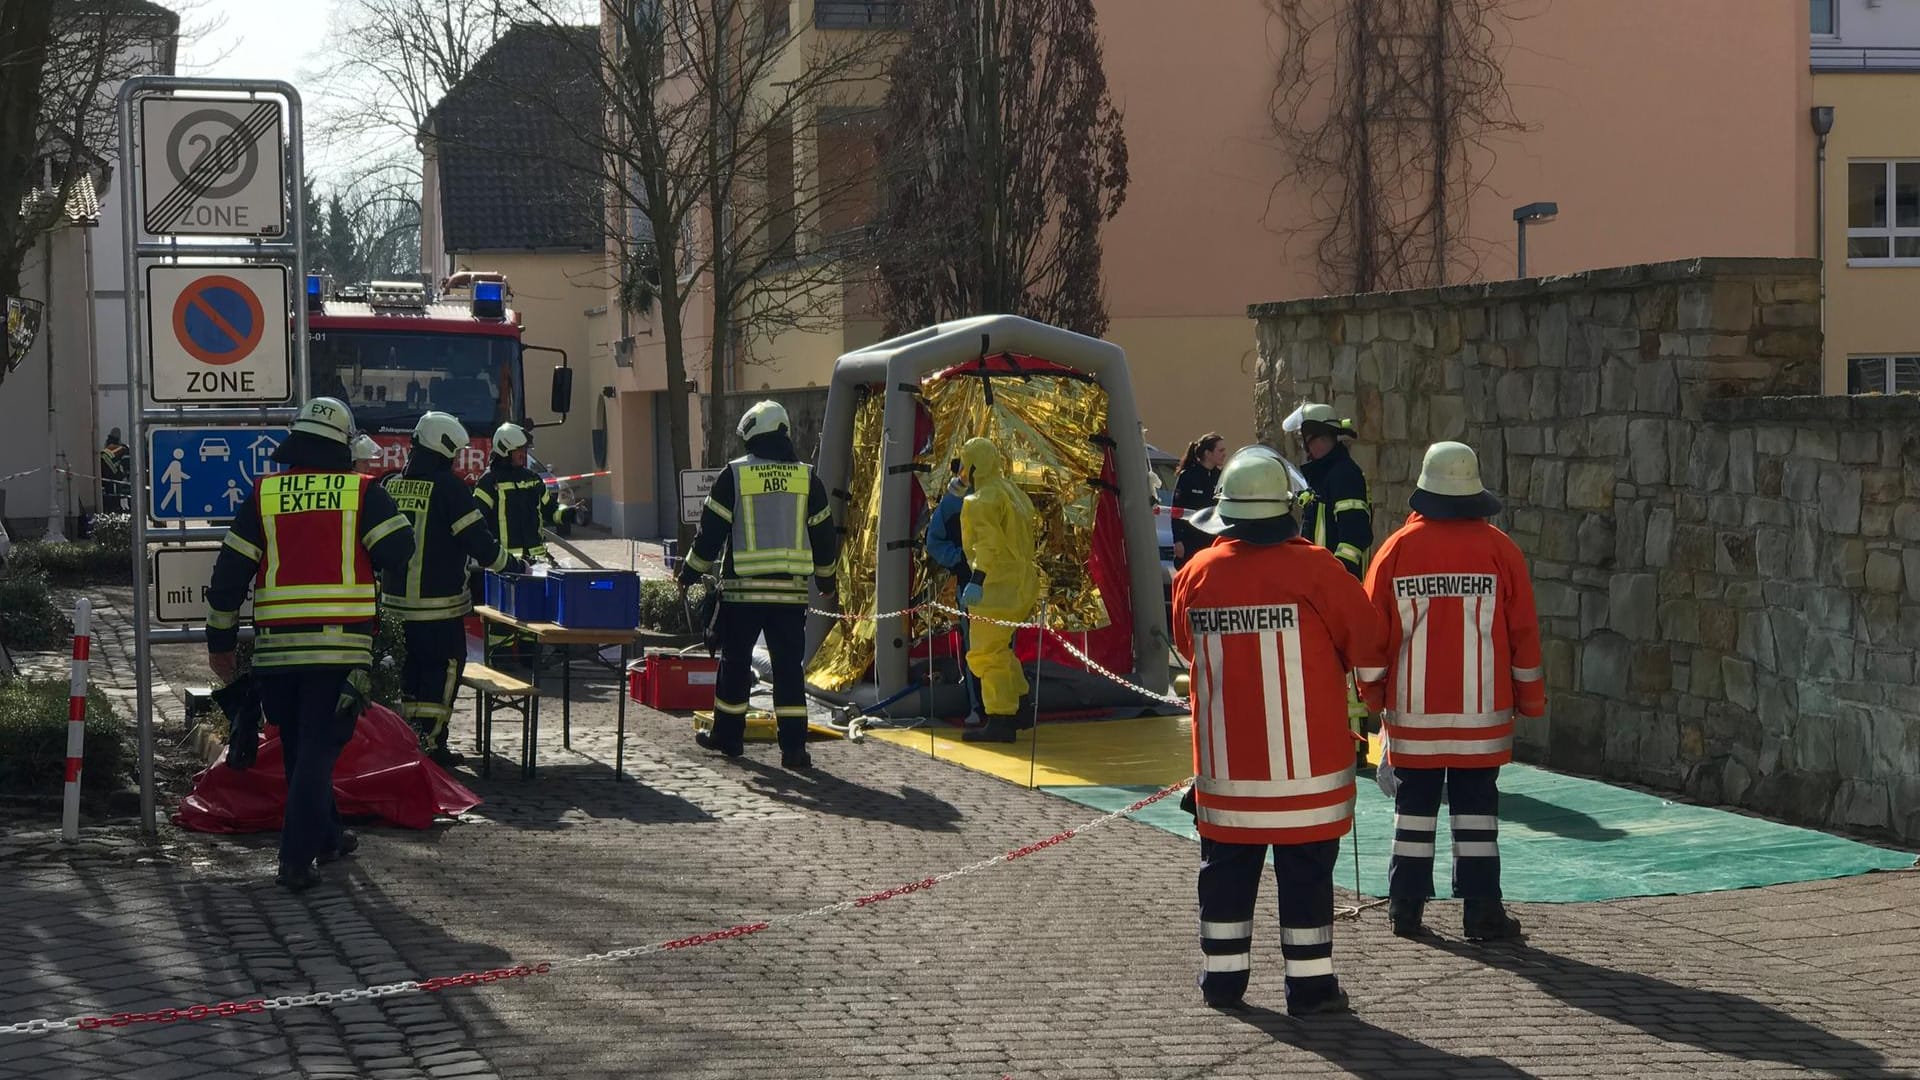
<point>355,995</point>
<point>76,718</point>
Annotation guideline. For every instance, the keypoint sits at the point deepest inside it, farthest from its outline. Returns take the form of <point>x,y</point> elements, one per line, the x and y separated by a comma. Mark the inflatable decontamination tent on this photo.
<point>1060,406</point>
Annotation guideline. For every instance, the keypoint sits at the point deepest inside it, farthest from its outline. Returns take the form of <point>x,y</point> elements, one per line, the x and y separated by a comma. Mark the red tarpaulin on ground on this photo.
<point>381,773</point>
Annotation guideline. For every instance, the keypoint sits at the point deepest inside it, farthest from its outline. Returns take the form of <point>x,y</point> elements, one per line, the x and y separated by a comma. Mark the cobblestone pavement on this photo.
<point>1076,962</point>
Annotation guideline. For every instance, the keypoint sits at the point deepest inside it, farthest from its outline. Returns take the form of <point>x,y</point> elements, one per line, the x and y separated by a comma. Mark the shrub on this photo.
<point>33,739</point>
<point>660,607</point>
<point>86,562</point>
<point>31,618</point>
<point>114,532</point>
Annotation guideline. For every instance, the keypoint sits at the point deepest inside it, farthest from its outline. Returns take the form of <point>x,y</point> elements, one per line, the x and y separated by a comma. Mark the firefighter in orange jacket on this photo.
<point>1463,649</point>
<point>1271,624</point>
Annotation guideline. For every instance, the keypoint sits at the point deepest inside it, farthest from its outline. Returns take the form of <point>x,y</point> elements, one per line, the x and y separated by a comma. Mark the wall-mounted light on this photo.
<point>1530,214</point>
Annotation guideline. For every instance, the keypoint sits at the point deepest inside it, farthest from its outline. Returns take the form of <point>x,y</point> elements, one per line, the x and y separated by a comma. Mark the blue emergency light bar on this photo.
<point>489,300</point>
<point>313,292</point>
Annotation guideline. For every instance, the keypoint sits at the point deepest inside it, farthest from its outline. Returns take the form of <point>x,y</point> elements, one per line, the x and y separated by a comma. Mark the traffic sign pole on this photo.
<point>215,166</point>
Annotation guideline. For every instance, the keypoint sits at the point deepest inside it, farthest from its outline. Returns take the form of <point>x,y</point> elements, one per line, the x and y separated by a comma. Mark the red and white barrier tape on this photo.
<point>1091,664</point>
<point>355,995</point>
<point>583,476</point>
<point>76,718</point>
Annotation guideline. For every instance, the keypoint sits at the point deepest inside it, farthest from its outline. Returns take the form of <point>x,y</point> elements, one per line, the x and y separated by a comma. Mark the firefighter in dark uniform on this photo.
<point>770,514</point>
<point>1335,513</point>
<point>432,599</point>
<point>307,542</point>
<point>116,465</point>
<point>518,503</point>
<point>518,500</point>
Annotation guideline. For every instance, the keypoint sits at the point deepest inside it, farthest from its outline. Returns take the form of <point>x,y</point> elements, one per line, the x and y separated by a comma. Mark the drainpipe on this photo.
<point>1822,118</point>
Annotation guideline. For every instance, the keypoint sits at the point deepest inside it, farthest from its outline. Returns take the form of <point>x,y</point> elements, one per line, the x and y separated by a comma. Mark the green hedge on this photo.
<point>660,607</point>
<point>82,563</point>
<point>33,739</point>
<point>29,618</point>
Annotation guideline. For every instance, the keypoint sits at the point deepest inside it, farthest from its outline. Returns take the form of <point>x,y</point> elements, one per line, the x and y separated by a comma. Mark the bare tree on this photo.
<point>1004,157</point>
<point>60,62</point>
<point>1387,109</point>
<point>710,106</point>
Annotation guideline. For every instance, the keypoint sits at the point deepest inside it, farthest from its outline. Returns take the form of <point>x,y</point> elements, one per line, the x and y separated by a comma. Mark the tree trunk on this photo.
<point>679,438</point>
<point>26,27</point>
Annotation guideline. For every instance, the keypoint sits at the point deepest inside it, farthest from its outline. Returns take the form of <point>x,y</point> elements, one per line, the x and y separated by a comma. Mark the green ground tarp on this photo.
<point>1564,839</point>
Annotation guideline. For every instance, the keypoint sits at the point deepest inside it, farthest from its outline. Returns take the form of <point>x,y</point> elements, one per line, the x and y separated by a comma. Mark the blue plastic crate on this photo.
<point>594,599</point>
<point>522,596</point>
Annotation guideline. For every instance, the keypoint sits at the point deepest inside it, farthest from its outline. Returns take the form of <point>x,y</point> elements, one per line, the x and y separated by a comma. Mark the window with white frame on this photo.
<point>1820,17</point>
<point>1883,374</point>
<point>1883,211</point>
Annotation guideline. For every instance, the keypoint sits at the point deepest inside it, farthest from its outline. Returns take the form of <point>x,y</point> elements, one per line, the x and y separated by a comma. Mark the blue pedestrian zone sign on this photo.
<point>207,474</point>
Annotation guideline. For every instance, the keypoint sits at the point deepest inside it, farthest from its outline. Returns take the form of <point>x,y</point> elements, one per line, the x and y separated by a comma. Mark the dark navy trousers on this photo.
<point>300,702</point>
<point>1229,885</point>
<point>1473,798</point>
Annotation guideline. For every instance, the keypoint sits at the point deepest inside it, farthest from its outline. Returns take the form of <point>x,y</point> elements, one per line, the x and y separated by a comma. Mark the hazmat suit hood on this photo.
<point>981,464</point>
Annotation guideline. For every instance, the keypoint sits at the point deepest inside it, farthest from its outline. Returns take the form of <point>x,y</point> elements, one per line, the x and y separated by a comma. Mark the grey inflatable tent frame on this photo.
<point>899,364</point>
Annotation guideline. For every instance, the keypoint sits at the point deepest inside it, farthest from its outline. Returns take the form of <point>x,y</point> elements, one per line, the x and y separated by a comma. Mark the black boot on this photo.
<point>1405,915</point>
<point>798,760</point>
<point>1333,1003</point>
<point>1487,920</point>
<point>297,878</point>
<point>705,741</point>
<point>996,729</point>
<point>349,843</point>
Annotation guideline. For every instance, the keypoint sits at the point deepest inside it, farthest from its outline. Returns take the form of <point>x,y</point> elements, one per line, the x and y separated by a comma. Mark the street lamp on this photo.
<point>1532,212</point>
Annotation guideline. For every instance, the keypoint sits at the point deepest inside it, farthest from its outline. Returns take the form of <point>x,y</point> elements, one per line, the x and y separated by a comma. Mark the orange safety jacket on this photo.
<point>1463,644</point>
<point>1271,631</point>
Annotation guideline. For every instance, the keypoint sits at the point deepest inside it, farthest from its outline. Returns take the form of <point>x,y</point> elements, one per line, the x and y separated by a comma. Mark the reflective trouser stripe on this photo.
<point>1476,849</point>
<point>1308,968</point>
<point>1316,935</point>
<point>1485,822</point>
<point>1413,849</point>
<point>1226,931</point>
<point>1240,961</point>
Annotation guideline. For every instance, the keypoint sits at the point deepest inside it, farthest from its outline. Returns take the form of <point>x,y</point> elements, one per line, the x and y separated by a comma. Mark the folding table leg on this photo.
<point>620,735</point>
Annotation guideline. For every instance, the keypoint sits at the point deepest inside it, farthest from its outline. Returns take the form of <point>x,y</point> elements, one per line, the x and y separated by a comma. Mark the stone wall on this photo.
<point>806,409</point>
<point>1723,567</point>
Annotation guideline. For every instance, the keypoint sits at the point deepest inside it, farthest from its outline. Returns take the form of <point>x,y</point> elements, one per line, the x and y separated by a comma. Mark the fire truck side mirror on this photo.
<point>562,403</point>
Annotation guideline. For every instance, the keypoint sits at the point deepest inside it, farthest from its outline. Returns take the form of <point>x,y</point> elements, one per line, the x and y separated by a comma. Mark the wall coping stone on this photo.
<point>1838,408</point>
<point>1613,277</point>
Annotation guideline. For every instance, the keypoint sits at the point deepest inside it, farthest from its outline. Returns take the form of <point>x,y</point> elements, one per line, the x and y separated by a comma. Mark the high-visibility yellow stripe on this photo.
<point>344,612</point>
<point>385,529</point>
<point>1349,553</point>
<point>222,620</point>
<point>467,521</point>
<point>698,564</point>
<point>277,658</point>
<point>242,547</point>
<point>725,512</point>
<point>820,517</point>
<point>1345,505</point>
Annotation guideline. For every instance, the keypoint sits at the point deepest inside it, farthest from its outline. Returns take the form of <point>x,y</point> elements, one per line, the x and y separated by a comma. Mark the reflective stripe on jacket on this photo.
<point>1462,648</point>
<point>769,534</point>
<point>1271,631</point>
<point>315,569</point>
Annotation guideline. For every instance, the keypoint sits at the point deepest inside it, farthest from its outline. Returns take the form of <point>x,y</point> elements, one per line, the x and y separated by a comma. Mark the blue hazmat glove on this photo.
<point>972,594</point>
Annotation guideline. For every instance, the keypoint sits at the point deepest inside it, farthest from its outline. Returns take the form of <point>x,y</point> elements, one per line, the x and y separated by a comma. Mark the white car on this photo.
<point>215,448</point>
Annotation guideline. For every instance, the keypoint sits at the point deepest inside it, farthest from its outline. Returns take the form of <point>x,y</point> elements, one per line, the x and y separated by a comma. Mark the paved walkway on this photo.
<point>1075,962</point>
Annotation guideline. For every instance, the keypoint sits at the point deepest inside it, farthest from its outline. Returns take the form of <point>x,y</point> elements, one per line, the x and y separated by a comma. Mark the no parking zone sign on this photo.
<point>217,334</point>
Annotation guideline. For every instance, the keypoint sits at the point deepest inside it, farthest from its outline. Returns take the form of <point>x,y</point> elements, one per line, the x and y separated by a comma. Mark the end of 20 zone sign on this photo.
<point>212,167</point>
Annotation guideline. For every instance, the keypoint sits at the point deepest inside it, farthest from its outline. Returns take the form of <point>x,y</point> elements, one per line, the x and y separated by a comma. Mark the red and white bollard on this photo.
<point>76,718</point>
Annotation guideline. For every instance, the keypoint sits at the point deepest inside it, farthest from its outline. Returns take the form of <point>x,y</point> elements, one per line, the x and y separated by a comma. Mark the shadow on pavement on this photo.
<point>1558,820</point>
<point>1713,1020</point>
<point>562,795</point>
<point>828,794</point>
<point>1364,1050</point>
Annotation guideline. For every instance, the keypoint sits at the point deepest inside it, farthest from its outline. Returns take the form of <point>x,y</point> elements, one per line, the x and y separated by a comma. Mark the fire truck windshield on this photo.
<point>390,378</point>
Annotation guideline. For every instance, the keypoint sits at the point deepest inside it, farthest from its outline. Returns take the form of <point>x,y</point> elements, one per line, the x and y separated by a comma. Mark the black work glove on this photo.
<point>355,695</point>
<point>828,586</point>
<point>1187,802</point>
<point>240,701</point>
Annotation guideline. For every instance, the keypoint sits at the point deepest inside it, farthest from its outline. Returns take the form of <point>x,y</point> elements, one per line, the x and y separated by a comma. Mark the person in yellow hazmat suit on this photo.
<point>996,531</point>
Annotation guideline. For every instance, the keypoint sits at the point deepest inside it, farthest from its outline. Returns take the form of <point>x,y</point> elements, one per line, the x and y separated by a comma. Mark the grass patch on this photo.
<point>33,739</point>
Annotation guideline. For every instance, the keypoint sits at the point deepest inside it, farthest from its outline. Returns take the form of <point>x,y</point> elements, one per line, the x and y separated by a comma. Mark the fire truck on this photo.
<point>392,352</point>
